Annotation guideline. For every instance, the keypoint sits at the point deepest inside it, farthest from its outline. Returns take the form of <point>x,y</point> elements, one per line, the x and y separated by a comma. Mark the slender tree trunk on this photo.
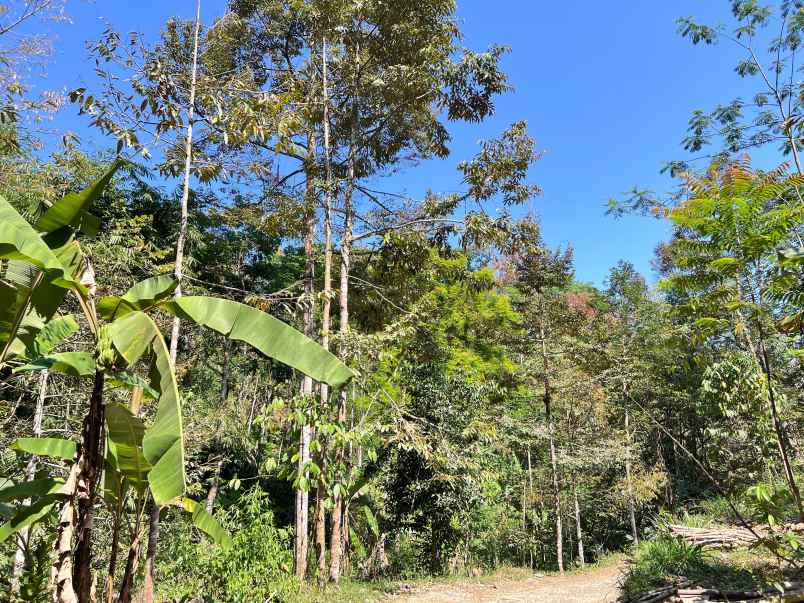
<point>338,532</point>
<point>302,494</point>
<point>90,466</point>
<point>761,354</point>
<point>530,487</point>
<point>628,481</point>
<point>302,507</point>
<point>557,500</point>
<point>578,529</point>
<point>339,514</point>
<point>781,433</point>
<point>132,565</point>
<point>326,323</point>
<point>178,271</point>
<point>326,313</point>
<point>524,516</point>
<point>24,535</point>
<point>109,589</point>
<point>226,370</point>
<point>150,554</point>
<point>321,532</point>
<point>548,396</point>
<point>61,575</point>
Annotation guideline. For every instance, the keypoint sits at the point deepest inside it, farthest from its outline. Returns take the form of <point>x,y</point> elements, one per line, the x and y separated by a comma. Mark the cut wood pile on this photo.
<point>727,537</point>
<point>683,592</point>
<point>715,537</point>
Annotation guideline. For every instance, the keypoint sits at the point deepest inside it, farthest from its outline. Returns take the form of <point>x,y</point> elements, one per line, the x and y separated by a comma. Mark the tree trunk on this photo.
<point>178,268</point>
<point>340,522</point>
<point>530,487</point>
<point>302,495</point>
<point>150,554</point>
<point>338,532</point>
<point>578,530</point>
<point>302,508</point>
<point>781,433</point>
<point>326,323</point>
<point>90,465</point>
<point>524,517</point>
<point>61,575</point>
<point>24,535</point>
<point>132,565</point>
<point>321,532</point>
<point>553,456</point>
<point>213,489</point>
<point>628,482</point>
<point>109,589</point>
<point>178,271</point>
<point>557,500</point>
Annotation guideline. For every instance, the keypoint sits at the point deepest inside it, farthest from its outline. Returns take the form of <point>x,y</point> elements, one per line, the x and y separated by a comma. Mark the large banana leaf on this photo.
<point>52,447</point>
<point>72,209</point>
<point>269,335</point>
<point>206,523</point>
<point>27,516</point>
<point>19,241</point>
<point>162,443</point>
<point>141,296</point>
<point>34,280</point>
<point>32,489</point>
<point>125,432</point>
<point>74,364</point>
<point>51,334</point>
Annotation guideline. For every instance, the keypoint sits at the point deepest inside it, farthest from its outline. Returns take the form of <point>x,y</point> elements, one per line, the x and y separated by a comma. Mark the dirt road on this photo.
<point>594,586</point>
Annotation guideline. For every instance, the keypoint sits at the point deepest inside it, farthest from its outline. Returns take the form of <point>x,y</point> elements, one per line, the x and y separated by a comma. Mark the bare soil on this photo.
<point>594,586</point>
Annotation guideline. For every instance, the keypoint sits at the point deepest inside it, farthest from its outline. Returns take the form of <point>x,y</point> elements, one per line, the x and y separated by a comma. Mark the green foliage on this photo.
<point>734,407</point>
<point>256,566</point>
<point>656,562</point>
<point>772,115</point>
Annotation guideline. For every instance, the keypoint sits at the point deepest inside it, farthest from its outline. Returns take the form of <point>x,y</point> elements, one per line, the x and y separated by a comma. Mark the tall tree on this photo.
<point>542,273</point>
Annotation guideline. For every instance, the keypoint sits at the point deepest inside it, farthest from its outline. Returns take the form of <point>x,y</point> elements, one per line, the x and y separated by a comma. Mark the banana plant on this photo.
<point>43,263</point>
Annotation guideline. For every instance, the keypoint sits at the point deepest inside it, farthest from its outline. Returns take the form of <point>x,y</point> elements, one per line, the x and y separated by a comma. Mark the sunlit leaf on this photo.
<point>269,335</point>
<point>51,447</point>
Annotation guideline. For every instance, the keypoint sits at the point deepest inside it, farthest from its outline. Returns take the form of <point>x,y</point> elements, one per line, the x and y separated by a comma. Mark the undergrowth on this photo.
<point>656,563</point>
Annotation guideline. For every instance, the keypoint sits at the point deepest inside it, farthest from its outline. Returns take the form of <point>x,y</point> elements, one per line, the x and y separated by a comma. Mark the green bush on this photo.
<point>256,568</point>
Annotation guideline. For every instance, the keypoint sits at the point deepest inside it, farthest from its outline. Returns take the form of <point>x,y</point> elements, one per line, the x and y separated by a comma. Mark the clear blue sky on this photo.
<point>606,88</point>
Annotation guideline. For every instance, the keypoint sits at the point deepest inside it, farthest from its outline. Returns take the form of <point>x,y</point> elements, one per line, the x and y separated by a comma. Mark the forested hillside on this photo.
<point>237,365</point>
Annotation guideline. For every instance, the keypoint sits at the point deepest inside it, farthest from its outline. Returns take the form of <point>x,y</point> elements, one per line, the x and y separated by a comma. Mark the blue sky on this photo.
<point>606,88</point>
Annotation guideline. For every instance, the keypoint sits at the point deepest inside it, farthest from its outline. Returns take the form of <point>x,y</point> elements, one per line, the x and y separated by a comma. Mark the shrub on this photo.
<point>256,568</point>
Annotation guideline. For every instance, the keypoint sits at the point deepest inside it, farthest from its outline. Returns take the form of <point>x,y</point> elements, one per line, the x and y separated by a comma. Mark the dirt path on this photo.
<point>595,586</point>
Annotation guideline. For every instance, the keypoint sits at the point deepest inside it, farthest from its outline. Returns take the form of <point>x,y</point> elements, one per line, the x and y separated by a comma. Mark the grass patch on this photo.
<point>656,563</point>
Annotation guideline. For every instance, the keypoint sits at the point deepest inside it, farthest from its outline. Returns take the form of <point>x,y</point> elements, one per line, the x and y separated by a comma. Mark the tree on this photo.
<point>774,114</point>
<point>541,274</point>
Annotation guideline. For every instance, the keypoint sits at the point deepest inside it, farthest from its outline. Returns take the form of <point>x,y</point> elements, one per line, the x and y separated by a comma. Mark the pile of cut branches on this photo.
<point>682,592</point>
<point>729,537</point>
